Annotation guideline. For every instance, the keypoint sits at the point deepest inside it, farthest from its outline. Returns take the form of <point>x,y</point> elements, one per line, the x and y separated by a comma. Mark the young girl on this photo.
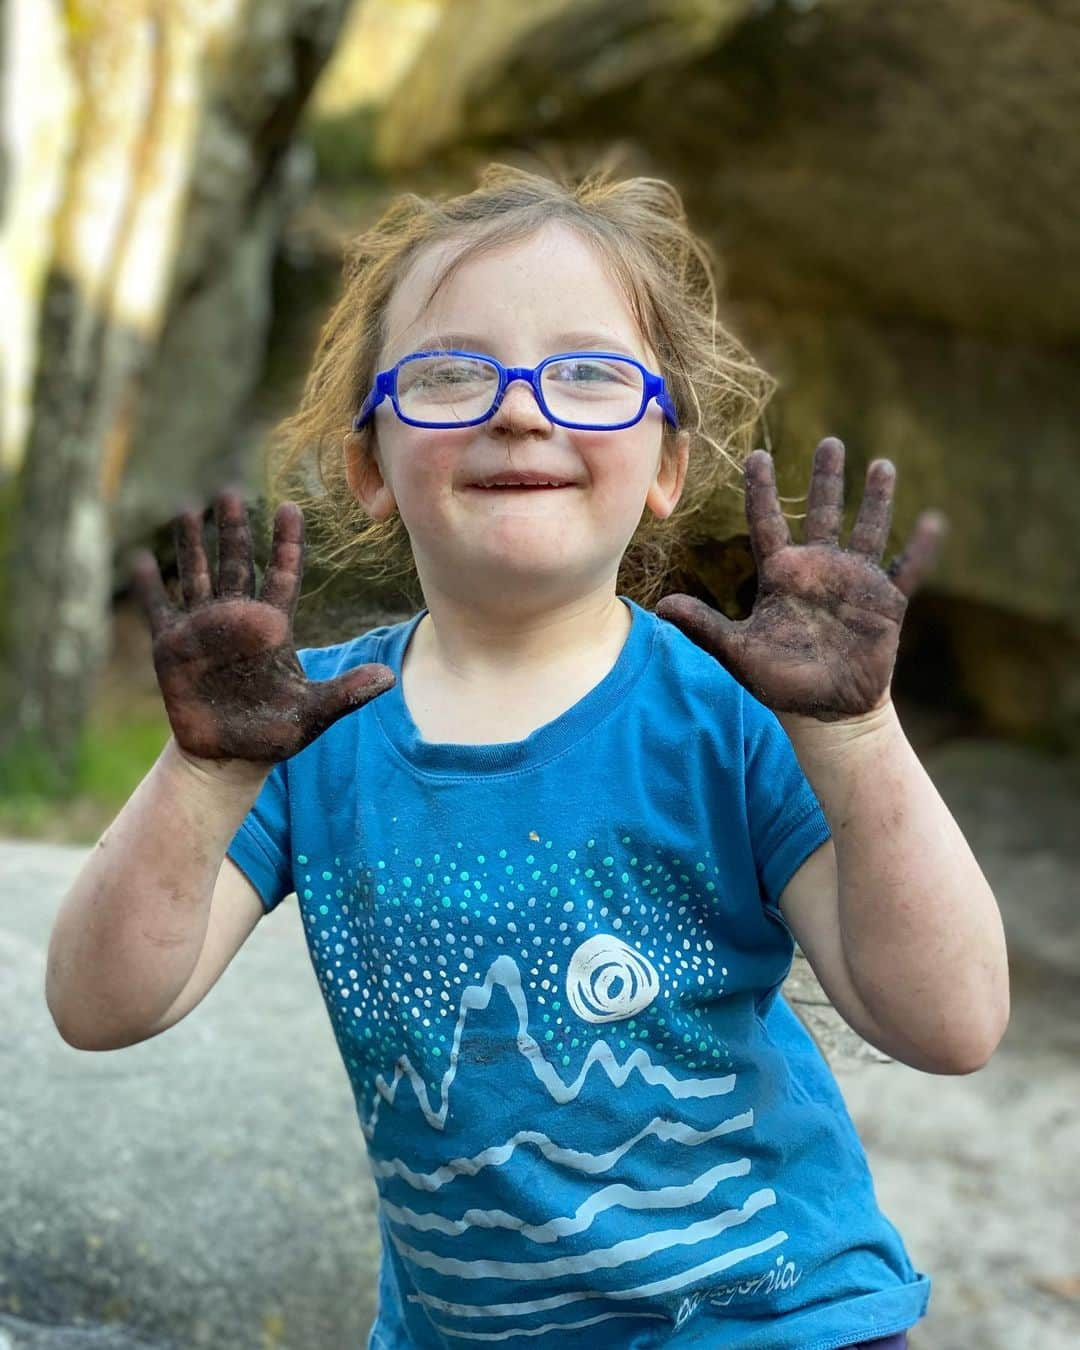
<point>551,848</point>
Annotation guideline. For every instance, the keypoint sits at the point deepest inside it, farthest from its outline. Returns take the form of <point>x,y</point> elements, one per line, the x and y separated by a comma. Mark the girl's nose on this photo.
<point>519,411</point>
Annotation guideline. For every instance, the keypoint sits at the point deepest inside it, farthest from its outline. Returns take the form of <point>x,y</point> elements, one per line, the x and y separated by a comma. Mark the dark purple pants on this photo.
<point>897,1342</point>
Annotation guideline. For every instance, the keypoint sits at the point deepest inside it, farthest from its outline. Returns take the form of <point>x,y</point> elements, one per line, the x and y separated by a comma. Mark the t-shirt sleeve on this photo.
<point>260,847</point>
<point>785,817</point>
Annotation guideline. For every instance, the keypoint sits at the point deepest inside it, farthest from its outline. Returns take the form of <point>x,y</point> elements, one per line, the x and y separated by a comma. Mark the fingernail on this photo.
<point>188,504</point>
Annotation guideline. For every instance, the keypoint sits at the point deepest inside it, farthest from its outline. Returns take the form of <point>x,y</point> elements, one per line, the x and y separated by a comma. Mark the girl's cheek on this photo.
<point>436,455</point>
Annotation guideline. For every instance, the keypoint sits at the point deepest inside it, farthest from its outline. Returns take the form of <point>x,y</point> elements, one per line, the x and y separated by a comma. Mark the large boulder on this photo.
<point>914,159</point>
<point>891,193</point>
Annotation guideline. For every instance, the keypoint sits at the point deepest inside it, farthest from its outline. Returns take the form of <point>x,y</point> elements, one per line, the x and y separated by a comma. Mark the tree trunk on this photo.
<point>154,82</point>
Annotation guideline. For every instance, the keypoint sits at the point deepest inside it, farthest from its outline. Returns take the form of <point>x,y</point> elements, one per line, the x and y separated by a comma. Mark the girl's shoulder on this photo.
<point>682,659</point>
<point>369,645</point>
<point>703,680</point>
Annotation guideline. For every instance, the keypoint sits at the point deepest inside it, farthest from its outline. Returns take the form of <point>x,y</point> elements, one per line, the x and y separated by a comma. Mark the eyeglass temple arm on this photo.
<point>656,389</point>
<point>380,390</point>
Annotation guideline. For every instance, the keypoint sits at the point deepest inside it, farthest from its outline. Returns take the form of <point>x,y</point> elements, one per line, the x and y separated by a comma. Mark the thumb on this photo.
<point>332,699</point>
<point>713,632</point>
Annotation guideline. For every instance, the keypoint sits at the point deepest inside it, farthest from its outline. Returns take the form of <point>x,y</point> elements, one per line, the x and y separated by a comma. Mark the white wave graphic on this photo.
<point>669,1284</point>
<point>503,970</point>
<point>600,1258</point>
<point>628,1197</point>
<point>625,1254</point>
<point>548,1326</point>
<point>670,1131</point>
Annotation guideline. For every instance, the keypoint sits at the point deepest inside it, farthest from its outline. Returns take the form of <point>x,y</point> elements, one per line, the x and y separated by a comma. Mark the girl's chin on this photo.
<point>525,543</point>
<point>522,568</point>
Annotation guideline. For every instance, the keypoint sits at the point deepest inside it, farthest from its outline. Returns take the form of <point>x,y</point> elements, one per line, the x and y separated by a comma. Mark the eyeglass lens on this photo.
<point>593,391</point>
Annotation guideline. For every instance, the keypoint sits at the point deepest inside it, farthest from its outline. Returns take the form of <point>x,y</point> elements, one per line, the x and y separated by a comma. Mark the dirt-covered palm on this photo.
<point>226,664</point>
<point>822,637</point>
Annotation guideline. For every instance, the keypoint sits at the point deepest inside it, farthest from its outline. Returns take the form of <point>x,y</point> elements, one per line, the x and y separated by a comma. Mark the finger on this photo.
<point>150,591</point>
<point>281,585</point>
<point>195,584</point>
<point>825,499</point>
<point>331,699</point>
<point>871,531</point>
<point>768,528</point>
<point>715,633</point>
<point>236,568</point>
<point>908,572</point>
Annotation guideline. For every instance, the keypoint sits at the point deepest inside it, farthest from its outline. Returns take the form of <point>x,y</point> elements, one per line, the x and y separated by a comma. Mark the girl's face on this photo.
<point>519,303</point>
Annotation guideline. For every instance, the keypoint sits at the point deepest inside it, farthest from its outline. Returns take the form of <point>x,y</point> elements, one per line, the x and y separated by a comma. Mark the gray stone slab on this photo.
<point>17,1334</point>
<point>979,1172</point>
<point>209,1186</point>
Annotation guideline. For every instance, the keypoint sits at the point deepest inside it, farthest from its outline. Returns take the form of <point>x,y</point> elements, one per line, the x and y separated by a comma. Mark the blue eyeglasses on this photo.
<point>589,391</point>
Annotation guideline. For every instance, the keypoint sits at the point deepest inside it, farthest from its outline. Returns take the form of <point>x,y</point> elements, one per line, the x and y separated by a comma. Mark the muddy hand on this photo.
<point>225,661</point>
<point>821,640</point>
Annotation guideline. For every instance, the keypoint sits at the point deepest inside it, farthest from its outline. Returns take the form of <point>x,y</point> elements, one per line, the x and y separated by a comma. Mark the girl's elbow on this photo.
<point>958,1065</point>
<point>974,1053</point>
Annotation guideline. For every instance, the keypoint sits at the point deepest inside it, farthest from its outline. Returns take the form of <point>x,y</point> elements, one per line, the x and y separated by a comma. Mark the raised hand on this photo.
<point>822,637</point>
<point>225,662</point>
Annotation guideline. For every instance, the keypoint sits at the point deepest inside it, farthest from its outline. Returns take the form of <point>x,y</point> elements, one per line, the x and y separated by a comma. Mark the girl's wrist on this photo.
<point>879,723</point>
<point>234,775</point>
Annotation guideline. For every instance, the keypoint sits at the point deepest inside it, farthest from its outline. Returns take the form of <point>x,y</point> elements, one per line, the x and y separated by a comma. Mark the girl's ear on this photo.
<point>365,479</point>
<point>666,489</point>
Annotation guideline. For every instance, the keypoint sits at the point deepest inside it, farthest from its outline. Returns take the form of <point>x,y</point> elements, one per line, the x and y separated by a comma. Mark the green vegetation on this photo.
<point>344,146</point>
<point>114,755</point>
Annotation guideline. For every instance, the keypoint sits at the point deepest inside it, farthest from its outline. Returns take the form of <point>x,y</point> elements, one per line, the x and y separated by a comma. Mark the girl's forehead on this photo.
<point>551,280</point>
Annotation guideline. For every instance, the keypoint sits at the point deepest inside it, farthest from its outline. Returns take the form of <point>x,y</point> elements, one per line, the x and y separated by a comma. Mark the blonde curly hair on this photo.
<point>640,229</point>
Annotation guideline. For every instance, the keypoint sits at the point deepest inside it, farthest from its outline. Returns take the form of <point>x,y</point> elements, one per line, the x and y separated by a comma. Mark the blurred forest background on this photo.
<point>891,191</point>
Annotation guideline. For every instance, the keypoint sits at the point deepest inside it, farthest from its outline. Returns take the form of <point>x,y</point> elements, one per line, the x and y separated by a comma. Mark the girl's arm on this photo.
<point>894,913</point>
<point>133,924</point>
<point>124,957</point>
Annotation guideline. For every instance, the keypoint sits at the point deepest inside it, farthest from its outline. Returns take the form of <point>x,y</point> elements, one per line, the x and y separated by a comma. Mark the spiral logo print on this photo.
<point>607,980</point>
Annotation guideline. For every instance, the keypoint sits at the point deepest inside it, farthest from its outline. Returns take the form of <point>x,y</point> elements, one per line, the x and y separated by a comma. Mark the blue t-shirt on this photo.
<point>552,967</point>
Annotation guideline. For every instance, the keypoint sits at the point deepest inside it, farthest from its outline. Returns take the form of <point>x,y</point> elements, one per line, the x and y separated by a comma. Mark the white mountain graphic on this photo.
<point>504,971</point>
<point>625,1269</point>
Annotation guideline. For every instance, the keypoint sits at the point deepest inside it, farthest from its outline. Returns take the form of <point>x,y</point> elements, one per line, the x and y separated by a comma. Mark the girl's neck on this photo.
<point>482,650</point>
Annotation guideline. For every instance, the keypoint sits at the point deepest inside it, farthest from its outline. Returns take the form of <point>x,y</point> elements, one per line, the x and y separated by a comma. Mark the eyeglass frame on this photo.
<point>385,386</point>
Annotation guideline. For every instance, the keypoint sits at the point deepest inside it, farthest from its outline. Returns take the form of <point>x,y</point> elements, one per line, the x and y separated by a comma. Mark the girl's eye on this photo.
<point>590,372</point>
<point>435,373</point>
<point>452,374</point>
